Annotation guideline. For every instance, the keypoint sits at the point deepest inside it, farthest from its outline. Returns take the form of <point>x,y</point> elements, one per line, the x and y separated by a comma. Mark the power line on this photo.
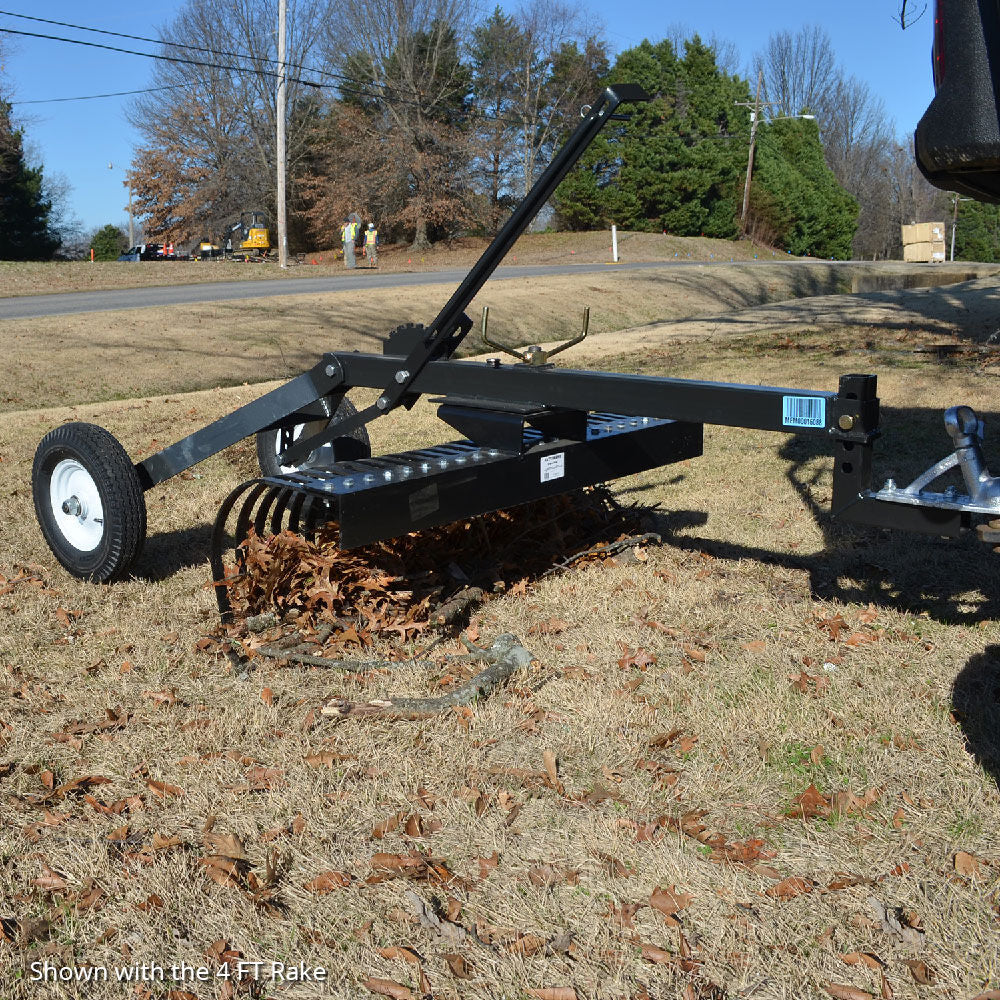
<point>224,53</point>
<point>151,55</point>
<point>120,34</point>
<point>354,91</point>
<point>94,97</point>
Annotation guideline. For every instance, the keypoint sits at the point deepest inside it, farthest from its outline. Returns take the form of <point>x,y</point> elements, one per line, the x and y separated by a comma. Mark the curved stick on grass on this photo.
<point>504,657</point>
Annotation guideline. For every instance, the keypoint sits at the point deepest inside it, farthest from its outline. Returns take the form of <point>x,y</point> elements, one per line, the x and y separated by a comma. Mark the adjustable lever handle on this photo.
<point>534,355</point>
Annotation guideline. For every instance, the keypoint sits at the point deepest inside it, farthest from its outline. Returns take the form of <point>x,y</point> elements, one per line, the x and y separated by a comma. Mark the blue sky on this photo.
<point>78,139</point>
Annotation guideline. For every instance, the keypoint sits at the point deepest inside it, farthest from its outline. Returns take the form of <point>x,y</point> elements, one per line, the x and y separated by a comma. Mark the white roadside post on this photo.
<point>614,244</point>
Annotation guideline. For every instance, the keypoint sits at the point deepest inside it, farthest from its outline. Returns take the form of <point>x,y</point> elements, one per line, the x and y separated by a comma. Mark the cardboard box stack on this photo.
<point>924,241</point>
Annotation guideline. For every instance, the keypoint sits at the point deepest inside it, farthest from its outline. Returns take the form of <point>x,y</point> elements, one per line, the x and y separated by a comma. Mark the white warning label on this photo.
<point>553,466</point>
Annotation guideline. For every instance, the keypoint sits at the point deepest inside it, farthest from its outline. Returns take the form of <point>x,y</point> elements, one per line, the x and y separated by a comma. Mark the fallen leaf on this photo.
<point>810,804</point>
<point>162,842</point>
<point>227,844</point>
<point>458,965</point>
<point>487,865</point>
<point>328,882</point>
<point>862,958</point>
<point>526,944</point>
<point>624,915</point>
<point>553,993</point>
<point>670,902</point>
<point>387,988</point>
<point>397,951</point>
<point>922,973</point>
<point>886,992</point>
<point>412,866</point>
<point>966,864</point>
<point>791,887</point>
<point>163,790</point>
<point>658,956</point>
<point>844,992</point>
<point>549,758</point>
<point>326,758</point>
<point>640,658</point>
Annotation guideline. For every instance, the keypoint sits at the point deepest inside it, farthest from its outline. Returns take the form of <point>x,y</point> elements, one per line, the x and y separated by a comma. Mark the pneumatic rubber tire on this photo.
<point>348,448</point>
<point>89,503</point>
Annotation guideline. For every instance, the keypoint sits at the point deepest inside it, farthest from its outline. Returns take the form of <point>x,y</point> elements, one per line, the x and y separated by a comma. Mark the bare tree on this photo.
<point>553,84</point>
<point>800,70</point>
<point>207,150</point>
<point>401,66</point>
<point>726,53</point>
<point>857,132</point>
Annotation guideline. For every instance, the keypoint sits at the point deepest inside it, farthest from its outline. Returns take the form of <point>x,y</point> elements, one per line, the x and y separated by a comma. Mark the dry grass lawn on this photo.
<point>757,760</point>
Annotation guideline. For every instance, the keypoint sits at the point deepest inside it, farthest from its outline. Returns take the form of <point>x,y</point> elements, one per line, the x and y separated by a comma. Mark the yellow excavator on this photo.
<point>250,238</point>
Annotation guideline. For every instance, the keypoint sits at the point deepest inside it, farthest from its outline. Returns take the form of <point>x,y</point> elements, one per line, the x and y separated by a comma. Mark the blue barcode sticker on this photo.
<point>803,411</point>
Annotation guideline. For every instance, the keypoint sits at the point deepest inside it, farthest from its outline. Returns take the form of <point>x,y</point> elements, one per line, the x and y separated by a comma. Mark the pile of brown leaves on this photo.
<point>398,588</point>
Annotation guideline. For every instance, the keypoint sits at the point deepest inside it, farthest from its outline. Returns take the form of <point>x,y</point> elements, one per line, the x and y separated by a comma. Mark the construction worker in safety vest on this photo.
<point>371,245</point>
<point>347,235</point>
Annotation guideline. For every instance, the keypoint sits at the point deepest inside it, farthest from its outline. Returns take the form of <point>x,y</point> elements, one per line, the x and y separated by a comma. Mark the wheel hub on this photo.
<point>76,505</point>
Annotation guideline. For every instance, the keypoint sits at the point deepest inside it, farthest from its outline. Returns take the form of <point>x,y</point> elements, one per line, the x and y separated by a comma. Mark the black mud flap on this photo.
<point>957,141</point>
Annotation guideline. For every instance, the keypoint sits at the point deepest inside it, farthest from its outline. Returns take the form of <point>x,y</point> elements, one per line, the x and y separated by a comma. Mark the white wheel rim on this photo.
<point>76,505</point>
<point>314,427</point>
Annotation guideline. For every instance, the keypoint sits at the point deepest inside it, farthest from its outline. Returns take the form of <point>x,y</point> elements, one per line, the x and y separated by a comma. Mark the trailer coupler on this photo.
<point>919,508</point>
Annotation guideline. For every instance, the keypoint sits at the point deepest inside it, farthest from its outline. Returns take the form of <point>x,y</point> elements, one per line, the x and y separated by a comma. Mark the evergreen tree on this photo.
<point>24,211</point>
<point>808,211</point>
<point>108,242</point>
<point>977,232</point>
<point>680,162</point>
<point>676,165</point>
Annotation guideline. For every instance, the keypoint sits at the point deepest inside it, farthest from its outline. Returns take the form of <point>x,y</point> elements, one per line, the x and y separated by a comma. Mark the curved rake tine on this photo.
<point>260,518</point>
<point>311,509</point>
<point>281,504</point>
<point>295,510</point>
<point>215,546</point>
<point>243,521</point>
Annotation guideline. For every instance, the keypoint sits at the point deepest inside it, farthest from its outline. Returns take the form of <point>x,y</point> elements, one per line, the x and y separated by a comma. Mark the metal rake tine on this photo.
<point>215,546</point>
<point>242,529</point>
<point>280,505</point>
<point>295,510</point>
<point>260,518</point>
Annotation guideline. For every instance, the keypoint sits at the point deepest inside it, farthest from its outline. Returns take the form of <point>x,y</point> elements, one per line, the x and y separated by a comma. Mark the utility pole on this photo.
<point>954,224</point>
<point>754,115</point>
<point>280,101</point>
<point>754,119</point>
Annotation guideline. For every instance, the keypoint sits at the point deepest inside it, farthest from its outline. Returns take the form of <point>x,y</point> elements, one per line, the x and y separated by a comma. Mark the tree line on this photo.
<point>434,122</point>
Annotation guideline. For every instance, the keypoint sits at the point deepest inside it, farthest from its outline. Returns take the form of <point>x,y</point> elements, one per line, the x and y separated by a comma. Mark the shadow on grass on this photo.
<point>954,581</point>
<point>171,551</point>
<point>976,697</point>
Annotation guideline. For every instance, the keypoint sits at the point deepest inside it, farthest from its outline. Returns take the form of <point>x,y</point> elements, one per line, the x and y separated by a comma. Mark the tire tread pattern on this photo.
<point>121,496</point>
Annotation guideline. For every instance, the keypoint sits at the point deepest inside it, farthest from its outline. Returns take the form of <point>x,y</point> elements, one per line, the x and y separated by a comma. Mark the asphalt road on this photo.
<point>62,304</point>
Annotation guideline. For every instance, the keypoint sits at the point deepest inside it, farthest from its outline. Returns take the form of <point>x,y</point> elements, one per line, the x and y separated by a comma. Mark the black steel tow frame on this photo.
<point>505,407</point>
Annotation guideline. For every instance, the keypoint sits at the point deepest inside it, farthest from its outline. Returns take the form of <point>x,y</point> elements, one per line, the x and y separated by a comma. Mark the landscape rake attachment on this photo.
<point>529,430</point>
